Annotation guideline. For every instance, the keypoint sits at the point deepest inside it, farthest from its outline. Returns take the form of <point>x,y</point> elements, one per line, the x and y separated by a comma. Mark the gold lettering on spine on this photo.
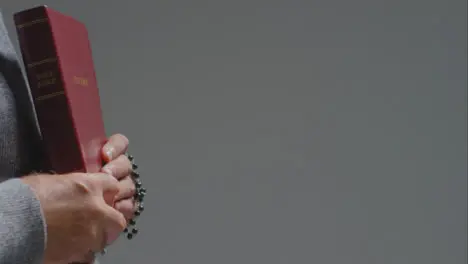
<point>46,82</point>
<point>49,78</point>
<point>80,81</point>
<point>45,79</point>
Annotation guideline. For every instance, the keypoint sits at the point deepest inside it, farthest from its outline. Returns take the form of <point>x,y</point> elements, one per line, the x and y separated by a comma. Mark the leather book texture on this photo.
<point>59,66</point>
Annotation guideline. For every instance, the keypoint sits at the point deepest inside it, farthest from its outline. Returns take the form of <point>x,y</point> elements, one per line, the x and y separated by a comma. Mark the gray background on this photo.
<point>326,131</point>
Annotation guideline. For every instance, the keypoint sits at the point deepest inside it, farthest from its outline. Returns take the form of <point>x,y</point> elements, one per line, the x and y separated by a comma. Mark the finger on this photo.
<point>106,185</point>
<point>114,147</point>
<point>114,222</point>
<point>127,207</point>
<point>127,189</point>
<point>119,167</point>
<point>103,181</point>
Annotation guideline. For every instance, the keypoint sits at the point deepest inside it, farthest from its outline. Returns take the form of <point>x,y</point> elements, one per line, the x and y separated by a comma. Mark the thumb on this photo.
<point>114,223</point>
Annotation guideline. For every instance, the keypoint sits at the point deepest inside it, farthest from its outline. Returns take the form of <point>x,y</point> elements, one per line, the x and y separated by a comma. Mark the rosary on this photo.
<point>139,196</point>
<point>131,230</point>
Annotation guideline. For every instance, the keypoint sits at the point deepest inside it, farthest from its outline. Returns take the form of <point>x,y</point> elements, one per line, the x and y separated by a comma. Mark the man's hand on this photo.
<point>78,210</point>
<point>118,165</point>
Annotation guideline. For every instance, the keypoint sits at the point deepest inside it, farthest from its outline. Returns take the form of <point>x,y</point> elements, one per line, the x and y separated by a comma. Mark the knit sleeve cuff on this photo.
<point>22,224</point>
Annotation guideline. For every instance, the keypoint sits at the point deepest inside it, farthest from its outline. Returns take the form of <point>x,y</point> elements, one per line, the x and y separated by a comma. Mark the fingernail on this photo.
<point>109,151</point>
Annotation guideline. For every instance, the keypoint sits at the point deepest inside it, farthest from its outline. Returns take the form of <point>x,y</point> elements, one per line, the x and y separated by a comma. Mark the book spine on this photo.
<point>42,65</point>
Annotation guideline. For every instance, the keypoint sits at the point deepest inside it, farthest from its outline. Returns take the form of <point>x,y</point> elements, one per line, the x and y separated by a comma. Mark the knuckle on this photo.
<point>82,184</point>
<point>83,188</point>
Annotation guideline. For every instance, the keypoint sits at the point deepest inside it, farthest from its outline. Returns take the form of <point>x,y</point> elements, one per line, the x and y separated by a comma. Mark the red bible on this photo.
<point>59,67</point>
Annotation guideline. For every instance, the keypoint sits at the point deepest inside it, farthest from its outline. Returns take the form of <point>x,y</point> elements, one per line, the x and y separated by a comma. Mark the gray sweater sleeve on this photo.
<point>22,227</point>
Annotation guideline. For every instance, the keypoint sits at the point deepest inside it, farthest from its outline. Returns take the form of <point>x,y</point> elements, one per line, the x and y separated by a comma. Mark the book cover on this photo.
<point>58,61</point>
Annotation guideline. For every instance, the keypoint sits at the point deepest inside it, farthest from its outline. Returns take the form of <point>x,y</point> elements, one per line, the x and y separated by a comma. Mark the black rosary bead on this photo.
<point>139,195</point>
<point>138,183</point>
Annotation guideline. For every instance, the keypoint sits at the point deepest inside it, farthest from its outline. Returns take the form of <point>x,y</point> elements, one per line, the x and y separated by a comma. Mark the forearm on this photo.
<point>22,227</point>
